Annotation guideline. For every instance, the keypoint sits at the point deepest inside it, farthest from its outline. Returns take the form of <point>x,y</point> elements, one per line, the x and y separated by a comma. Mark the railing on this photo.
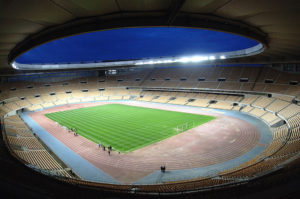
<point>199,90</point>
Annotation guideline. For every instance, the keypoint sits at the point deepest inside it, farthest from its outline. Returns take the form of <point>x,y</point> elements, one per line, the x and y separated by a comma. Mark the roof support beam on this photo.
<point>175,8</point>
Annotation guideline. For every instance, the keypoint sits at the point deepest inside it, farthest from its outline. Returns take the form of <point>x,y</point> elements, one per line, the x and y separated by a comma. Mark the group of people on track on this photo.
<point>109,148</point>
<point>74,130</point>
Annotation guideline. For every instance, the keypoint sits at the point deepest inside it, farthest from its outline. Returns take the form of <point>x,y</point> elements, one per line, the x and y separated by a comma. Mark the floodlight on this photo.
<point>196,58</point>
<point>157,62</point>
<point>14,65</point>
<point>168,61</point>
<point>184,59</point>
<point>139,63</point>
<point>204,58</point>
<point>212,57</point>
<point>150,62</point>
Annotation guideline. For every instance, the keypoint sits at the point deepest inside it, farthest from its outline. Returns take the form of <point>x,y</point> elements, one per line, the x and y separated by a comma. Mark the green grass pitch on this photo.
<point>127,128</point>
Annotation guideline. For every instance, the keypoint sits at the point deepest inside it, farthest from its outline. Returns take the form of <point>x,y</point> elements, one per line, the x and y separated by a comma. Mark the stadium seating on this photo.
<point>290,110</point>
<point>179,100</point>
<point>269,117</point>
<point>28,148</point>
<point>199,86</point>
<point>257,112</point>
<point>42,159</point>
<point>221,105</point>
<point>263,102</point>
<point>29,143</point>
<point>277,105</point>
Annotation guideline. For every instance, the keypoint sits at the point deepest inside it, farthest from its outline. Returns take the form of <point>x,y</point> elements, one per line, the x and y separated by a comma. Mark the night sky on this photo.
<point>135,43</point>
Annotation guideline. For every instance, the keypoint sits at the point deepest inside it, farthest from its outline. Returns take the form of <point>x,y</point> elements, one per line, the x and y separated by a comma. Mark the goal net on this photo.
<point>185,126</point>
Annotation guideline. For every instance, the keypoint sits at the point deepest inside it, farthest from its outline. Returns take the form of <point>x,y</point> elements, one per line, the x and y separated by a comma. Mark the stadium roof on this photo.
<point>26,24</point>
<point>136,44</point>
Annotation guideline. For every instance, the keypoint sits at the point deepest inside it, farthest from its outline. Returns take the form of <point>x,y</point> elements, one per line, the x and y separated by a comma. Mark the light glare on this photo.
<point>14,65</point>
<point>212,57</point>
<point>184,59</point>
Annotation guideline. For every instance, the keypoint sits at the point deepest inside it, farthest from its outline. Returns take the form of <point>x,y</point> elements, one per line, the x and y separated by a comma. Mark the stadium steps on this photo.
<point>254,101</point>
<point>257,78</point>
<point>282,108</point>
<point>264,114</point>
<point>146,77</point>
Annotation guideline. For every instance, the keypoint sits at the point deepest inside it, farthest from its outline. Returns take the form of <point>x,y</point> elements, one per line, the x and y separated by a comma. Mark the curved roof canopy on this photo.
<point>275,24</point>
<point>137,44</point>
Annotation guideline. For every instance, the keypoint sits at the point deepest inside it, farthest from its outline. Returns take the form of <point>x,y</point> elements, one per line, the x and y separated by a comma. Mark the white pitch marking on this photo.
<point>232,141</point>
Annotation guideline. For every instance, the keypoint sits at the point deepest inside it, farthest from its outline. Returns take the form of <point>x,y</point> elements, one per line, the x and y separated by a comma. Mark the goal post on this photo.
<point>185,126</point>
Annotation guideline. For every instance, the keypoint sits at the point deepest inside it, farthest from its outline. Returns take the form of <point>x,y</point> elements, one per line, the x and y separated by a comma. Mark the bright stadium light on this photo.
<point>196,58</point>
<point>14,65</point>
<point>167,61</point>
<point>157,61</point>
<point>139,63</point>
<point>204,58</point>
<point>150,62</point>
<point>222,57</point>
<point>212,57</point>
<point>184,59</point>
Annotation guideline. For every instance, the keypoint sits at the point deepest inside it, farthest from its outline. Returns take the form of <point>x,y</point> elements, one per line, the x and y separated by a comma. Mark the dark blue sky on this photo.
<point>135,43</point>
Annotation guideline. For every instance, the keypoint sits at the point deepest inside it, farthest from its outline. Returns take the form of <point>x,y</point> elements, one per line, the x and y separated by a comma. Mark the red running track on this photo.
<point>217,141</point>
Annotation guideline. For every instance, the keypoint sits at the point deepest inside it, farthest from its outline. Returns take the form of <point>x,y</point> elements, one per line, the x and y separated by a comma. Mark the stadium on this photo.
<point>223,124</point>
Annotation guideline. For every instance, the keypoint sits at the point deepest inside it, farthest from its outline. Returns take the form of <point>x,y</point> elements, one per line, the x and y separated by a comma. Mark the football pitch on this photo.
<point>127,128</point>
